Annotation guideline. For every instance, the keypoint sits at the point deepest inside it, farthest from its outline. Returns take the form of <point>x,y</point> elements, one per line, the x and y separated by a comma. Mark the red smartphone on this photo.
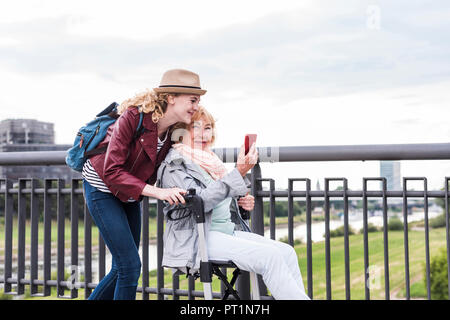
<point>249,140</point>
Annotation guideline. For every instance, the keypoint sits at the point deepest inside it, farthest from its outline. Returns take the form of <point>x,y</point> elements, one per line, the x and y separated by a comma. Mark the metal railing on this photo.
<point>31,197</point>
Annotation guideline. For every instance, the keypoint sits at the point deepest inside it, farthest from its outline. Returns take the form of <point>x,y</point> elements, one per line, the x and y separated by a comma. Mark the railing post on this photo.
<point>175,286</point>
<point>60,220</point>
<point>8,235</point>
<point>145,235</point>
<point>87,252</point>
<point>327,241</point>
<point>257,226</point>
<point>159,249</point>
<point>385,241</point>
<point>309,239</point>
<point>191,287</point>
<point>405,239</point>
<point>447,233</point>
<point>34,238</point>
<point>290,213</point>
<point>21,234</point>
<point>272,222</point>
<point>366,240</point>
<point>47,236</point>
<point>74,238</point>
<point>427,237</point>
<point>385,235</point>
<point>346,235</point>
<point>346,242</point>
<point>308,226</point>
<point>258,214</point>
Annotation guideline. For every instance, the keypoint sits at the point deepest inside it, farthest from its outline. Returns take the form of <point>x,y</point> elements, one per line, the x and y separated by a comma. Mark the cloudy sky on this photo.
<point>310,72</point>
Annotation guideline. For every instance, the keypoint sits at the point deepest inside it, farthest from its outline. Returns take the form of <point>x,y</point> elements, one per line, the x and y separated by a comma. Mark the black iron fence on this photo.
<point>30,204</point>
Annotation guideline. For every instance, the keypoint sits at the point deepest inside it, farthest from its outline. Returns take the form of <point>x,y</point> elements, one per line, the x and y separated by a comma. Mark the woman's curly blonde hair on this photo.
<point>148,101</point>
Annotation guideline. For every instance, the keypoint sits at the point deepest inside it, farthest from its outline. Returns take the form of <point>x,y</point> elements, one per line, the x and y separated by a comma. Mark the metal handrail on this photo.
<point>421,151</point>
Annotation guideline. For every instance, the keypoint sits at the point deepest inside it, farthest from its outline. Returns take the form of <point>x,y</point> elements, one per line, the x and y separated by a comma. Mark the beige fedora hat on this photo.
<point>180,81</point>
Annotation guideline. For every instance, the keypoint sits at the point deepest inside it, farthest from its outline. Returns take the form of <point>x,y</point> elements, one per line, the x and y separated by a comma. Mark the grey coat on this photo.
<point>181,236</point>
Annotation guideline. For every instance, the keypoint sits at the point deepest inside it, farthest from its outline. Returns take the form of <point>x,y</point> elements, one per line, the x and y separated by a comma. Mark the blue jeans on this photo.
<point>119,224</point>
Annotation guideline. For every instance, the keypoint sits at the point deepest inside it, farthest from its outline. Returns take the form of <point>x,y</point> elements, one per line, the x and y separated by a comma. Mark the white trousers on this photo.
<point>275,261</point>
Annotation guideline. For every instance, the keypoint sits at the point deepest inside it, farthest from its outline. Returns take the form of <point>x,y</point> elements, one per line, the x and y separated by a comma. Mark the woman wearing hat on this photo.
<point>115,182</point>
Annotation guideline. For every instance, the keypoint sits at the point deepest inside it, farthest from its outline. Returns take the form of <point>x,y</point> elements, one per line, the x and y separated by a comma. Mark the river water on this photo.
<point>355,221</point>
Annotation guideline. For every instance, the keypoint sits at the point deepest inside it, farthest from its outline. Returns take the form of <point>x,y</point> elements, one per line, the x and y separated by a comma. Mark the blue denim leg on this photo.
<point>119,224</point>
<point>106,287</point>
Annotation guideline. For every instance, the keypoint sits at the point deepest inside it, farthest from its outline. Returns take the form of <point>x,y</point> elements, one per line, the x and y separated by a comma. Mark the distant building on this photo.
<point>17,135</point>
<point>26,131</point>
<point>391,171</point>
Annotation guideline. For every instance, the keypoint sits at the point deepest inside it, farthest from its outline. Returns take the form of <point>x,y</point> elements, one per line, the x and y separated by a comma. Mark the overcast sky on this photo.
<point>294,72</point>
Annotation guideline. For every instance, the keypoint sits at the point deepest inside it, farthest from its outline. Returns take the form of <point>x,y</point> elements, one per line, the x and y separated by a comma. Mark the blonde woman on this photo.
<point>192,164</point>
<point>115,181</point>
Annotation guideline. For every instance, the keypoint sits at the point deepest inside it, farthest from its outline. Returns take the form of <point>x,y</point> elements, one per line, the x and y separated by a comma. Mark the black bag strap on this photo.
<point>95,151</point>
<point>177,208</point>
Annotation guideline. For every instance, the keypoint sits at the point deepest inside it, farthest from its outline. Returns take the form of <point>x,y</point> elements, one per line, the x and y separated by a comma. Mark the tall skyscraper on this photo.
<point>391,171</point>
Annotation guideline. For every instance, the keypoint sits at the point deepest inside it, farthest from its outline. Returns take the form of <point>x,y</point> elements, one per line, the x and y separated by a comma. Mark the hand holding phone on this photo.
<point>249,140</point>
<point>246,158</point>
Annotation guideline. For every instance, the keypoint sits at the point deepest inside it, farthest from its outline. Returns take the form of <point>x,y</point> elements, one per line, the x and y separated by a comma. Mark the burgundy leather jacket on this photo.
<point>129,163</point>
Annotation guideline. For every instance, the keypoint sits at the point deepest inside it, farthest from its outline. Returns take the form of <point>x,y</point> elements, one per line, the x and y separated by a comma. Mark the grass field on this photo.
<point>376,261</point>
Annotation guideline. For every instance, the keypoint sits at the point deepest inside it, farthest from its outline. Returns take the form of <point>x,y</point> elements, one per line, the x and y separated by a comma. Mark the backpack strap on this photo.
<point>139,130</point>
<point>95,151</point>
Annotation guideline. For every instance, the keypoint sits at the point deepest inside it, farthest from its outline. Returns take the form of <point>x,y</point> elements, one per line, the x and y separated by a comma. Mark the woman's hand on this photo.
<point>246,162</point>
<point>171,195</point>
<point>247,202</point>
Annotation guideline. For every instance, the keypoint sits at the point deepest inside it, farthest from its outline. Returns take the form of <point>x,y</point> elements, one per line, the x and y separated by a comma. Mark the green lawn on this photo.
<point>376,260</point>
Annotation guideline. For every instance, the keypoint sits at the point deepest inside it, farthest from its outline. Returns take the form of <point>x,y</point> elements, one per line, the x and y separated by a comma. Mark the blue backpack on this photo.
<point>90,135</point>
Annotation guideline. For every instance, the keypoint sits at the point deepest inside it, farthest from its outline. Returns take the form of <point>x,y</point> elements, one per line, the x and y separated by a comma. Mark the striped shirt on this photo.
<point>91,176</point>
